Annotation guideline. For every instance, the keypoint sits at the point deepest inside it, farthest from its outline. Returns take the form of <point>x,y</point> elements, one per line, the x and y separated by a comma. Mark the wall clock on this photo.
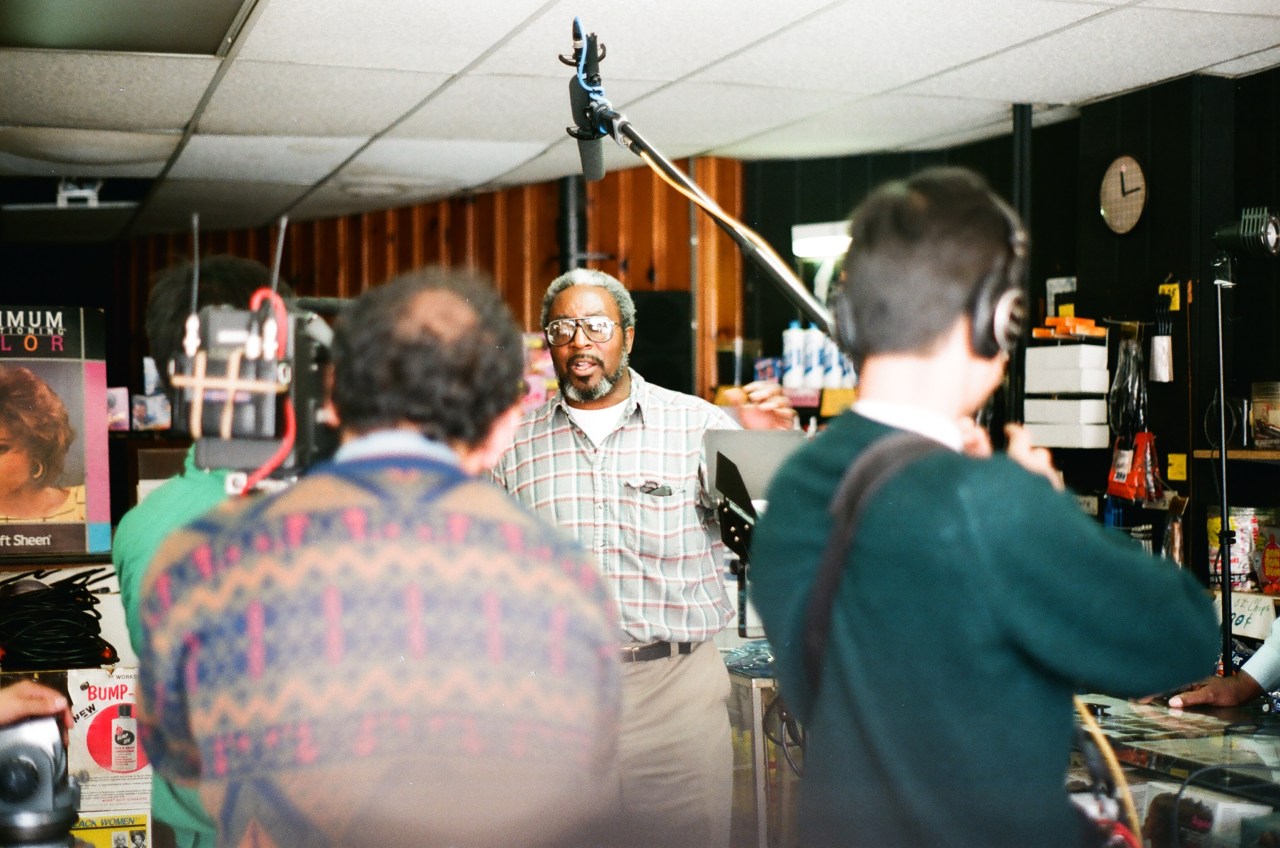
<point>1123,194</point>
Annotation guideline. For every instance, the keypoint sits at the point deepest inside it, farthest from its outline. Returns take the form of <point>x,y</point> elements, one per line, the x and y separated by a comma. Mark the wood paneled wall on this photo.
<point>653,238</point>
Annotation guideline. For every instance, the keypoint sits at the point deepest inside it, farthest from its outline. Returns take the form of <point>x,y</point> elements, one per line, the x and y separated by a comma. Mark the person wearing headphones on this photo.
<point>975,597</point>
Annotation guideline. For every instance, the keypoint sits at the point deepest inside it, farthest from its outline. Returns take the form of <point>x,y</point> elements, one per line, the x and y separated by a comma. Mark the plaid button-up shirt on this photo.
<point>638,501</point>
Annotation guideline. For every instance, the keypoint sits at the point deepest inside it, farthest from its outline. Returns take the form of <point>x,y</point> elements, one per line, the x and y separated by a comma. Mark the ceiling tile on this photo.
<point>115,91</point>
<point>1252,63</point>
<point>1223,7</point>
<point>150,26</point>
<point>563,159</point>
<point>409,35</point>
<point>702,114</point>
<point>222,205</point>
<point>275,98</point>
<point>79,152</point>
<point>884,45</point>
<point>876,123</point>
<point>504,108</point>
<point>255,159</point>
<point>461,163</point>
<point>1084,63</point>
<point>330,201</point>
<point>654,40</point>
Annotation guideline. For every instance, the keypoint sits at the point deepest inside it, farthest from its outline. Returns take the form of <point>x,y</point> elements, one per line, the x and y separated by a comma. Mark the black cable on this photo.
<point>54,626</point>
<point>788,728</point>
<point>1232,418</point>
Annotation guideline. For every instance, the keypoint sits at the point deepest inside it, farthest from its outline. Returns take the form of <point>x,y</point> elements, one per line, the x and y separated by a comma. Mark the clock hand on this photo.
<point>1125,191</point>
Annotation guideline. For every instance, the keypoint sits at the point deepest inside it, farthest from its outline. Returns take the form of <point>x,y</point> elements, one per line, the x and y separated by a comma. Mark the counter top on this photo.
<point>1234,750</point>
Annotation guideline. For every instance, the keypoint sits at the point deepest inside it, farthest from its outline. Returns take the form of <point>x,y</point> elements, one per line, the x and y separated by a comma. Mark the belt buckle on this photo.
<point>631,653</point>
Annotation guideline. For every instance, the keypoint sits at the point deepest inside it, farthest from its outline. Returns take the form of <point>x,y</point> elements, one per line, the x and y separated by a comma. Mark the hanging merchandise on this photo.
<point>1133,474</point>
<point>1162,343</point>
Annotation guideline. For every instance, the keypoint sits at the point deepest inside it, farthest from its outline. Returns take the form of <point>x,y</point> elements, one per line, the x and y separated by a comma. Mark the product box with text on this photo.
<point>54,491</point>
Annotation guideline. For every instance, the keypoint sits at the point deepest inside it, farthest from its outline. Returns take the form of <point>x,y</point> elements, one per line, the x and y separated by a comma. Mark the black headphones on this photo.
<point>997,309</point>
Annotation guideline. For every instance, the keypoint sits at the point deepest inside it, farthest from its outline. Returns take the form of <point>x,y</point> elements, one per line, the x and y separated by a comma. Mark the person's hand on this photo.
<point>28,699</point>
<point>1218,692</point>
<point>761,405</point>
<point>1034,459</point>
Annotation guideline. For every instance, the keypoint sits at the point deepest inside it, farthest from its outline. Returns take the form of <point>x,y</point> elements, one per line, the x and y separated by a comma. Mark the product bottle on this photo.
<point>833,365</point>
<point>814,342</point>
<point>850,377</point>
<point>124,741</point>
<point>793,356</point>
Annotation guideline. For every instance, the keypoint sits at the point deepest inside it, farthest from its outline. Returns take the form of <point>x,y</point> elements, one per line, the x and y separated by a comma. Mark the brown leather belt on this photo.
<point>655,651</point>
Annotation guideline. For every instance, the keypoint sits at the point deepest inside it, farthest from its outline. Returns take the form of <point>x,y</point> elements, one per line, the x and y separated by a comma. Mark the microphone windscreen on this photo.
<point>589,151</point>
<point>592,155</point>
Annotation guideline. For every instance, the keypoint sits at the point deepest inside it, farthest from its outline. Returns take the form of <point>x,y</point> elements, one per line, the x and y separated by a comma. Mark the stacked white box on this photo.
<point>1066,387</point>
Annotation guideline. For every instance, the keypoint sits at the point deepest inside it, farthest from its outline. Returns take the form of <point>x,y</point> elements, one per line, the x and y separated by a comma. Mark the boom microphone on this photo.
<point>584,88</point>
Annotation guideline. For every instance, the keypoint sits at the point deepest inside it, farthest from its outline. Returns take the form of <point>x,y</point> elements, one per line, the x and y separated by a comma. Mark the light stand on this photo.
<point>1226,536</point>
<point>1257,232</point>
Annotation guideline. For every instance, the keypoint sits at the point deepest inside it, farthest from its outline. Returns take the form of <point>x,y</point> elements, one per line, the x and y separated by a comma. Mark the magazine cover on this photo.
<point>54,491</point>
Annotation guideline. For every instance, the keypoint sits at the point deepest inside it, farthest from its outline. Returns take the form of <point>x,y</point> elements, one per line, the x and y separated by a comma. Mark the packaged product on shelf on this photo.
<point>1248,547</point>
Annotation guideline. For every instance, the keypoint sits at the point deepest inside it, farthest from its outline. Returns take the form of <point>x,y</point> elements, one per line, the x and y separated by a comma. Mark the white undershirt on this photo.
<point>597,423</point>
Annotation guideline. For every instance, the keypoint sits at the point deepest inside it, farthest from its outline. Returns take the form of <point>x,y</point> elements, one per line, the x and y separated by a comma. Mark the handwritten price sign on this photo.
<point>1251,615</point>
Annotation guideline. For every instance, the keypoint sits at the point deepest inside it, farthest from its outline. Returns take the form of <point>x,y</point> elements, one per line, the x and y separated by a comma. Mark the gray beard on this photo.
<point>600,389</point>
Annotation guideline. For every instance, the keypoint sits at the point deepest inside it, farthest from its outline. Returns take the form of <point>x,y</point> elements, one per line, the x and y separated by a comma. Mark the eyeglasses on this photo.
<point>562,330</point>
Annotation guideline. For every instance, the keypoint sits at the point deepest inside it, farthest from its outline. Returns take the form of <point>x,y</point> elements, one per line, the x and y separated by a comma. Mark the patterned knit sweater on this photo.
<point>387,653</point>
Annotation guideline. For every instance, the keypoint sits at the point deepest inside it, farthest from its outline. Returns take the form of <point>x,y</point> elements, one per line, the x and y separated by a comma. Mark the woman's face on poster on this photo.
<point>15,463</point>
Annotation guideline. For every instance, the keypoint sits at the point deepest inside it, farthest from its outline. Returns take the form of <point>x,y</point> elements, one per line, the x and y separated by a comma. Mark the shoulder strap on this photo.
<point>872,469</point>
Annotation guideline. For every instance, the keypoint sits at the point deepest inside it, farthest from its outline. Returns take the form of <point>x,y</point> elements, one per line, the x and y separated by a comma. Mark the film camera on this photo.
<point>249,387</point>
<point>39,799</point>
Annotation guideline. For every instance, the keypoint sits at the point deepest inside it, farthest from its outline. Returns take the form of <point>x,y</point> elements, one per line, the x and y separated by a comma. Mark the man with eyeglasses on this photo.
<point>618,462</point>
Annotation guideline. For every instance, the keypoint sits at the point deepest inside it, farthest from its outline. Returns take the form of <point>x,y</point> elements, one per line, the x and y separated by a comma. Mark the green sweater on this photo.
<point>176,502</point>
<point>976,601</point>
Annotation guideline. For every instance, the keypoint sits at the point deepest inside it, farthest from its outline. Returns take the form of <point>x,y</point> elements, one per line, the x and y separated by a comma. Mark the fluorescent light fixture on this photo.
<point>820,241</point>
<point>73,194</point>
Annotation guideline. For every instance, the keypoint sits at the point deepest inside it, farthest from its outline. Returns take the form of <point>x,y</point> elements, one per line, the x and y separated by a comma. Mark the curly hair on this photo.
<point>437,348</point>
<point>36,419</point>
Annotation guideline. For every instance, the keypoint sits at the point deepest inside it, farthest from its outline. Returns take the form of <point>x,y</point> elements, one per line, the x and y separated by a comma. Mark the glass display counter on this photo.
<point>1216,772</point>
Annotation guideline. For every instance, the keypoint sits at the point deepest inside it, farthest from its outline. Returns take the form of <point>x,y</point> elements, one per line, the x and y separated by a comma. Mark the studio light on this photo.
<point>820,241</point>
<point>1257,232</point>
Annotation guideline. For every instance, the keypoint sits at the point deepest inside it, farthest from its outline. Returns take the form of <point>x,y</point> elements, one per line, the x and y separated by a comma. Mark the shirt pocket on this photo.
<point>656,515</point>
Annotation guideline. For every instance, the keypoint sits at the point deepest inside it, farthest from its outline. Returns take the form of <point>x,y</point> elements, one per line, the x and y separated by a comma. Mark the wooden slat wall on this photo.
<point>642,224</point>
